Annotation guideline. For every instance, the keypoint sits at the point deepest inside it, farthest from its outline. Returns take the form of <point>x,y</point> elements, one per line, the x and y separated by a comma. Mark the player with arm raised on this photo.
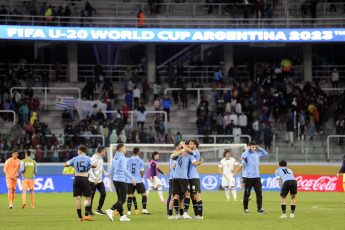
<point>135,165</point>
<point>226,168</point>
<point>81,186</point>
<point>29,170</point>
<point>118,174</point>
<point>96,180</point>
<point>288,183</point>
<point>180,181</point>
<point>194,179</point>
<point>152,174</point>
<point>11,167</point>
<point>251,157</point>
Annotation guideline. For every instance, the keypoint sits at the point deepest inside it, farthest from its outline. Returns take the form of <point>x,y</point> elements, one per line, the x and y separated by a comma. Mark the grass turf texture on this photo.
<point>57,211</point>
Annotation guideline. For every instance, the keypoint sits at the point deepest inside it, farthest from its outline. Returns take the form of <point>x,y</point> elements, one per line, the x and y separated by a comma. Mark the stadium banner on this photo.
<point>85,107</point>
<point>49,33</point>
<point>208,182</point>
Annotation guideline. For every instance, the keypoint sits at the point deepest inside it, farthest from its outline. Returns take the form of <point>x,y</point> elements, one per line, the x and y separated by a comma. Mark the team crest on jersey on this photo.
<point>193,187</point>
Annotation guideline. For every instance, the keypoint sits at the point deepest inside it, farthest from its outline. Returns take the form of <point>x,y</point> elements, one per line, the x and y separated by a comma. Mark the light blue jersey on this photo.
<point>81,163</point>
<point>193,170</point>
<point>252,160</point>
<point>284,174</point>
<point>182,164</point>
<point>244,168</point>
<point>172,170</point>
<point>134,166</point>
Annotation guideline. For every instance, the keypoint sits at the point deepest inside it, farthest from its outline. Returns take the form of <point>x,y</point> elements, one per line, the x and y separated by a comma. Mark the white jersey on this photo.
<point>228,165</point>
<point>96,173</point>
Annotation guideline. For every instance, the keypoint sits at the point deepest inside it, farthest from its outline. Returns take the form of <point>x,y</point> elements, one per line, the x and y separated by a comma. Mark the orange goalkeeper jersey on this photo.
<point>11,167</point>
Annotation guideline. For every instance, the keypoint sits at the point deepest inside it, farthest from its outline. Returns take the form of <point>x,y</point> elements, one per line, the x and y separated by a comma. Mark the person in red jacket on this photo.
<point>125,109</point>
<point>140,19</point>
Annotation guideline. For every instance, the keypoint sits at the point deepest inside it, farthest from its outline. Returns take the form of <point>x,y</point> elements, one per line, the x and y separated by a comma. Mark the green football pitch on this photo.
<point>57,211</point>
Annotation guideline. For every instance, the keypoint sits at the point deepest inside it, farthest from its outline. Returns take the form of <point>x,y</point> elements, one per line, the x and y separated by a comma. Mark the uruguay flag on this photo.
<point>65,102</point>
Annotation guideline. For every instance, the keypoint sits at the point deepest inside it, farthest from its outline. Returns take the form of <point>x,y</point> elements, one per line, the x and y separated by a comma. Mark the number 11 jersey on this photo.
<point>285,174</point>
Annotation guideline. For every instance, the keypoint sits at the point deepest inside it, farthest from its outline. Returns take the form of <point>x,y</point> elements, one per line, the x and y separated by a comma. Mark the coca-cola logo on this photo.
<point>322,183</point>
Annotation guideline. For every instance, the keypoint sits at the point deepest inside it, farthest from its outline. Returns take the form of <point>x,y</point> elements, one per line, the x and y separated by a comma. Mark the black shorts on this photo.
<point>171,188</point>
<point>289,186</point>
<point>243,180</point>
<point>195,186</point>
<point>180,186</point>
<point>140,187</point>
<point>81,186</point>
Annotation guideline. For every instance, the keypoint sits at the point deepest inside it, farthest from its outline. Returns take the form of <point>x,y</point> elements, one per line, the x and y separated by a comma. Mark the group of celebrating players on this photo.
<point>127,177</point>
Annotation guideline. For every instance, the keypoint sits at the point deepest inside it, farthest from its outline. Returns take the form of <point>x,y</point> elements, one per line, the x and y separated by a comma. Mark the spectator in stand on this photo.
<point>257,132</point>
<point>36,106</point>
<point>317,121</point>
<point>100,117</point>
<point>24,113</point>
<point>17,97</point>
<point>65,117</point>
<point>311,127</point>
<point>202,109</point>
<point>166,103</point>
<point>218,76</point>
<point>45,78</point>
<point>234,117</point>
<point>33,118</point>
<point>69,129</point>
<point>53,140</point>
<point>141,116</point>
<point>184,97</point>
<point>243,122</point>
<point>169,138</point>
<point>129,99</point>
<point>267,136</point>
<point>152,135</point>
<point>140,19</point>
<point>160,139</point>
<point>335,78</point>
<point>29,92</point>
<point>98,72</point>
<point>67,14</point>
<point>157,104</point>
<point>55,153</point>
<point>49,15</point>
<point>301,120</point>
<point>156,89</point>
<point>237,132</point>
<point>136,96</point>
<point>143,137</point>
<point>289,132</point>
<point>3,12</point>
<point>125,109</point>
<point>304,10</point>
<point>89,12</point>
<point>332,7</point>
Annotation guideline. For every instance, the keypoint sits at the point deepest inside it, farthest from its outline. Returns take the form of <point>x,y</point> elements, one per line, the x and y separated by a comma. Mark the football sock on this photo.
<point>195,207</point>
<point>284,208</point>
<point>10,197</point>
<point>168,202</point>
<point>87,210</point>
<point>32,200</point>
<point>176,206</point>
<point>227,194</point>
<point>170,212</point>
<point>160,194</point>
<point>199,208</point>
<point>144,201</point>
<point>79,213</point>
<point>234,193</point>
<point>186,204</point>
<point>24,198</point>
<point>148,192</point>
<point>129,203</point>
<point>181,211</point>
<point>293,207</point>
<point>135,203</point>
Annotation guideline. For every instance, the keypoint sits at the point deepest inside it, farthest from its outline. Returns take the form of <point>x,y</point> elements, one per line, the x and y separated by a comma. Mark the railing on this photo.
<point>92,135</point>
<point>10,111</point>
<point>38,69</point>
<point>218,136</point>
<point>196,89</point>
<point>45,91</point>
<point>178,22</point>
<point>328,143</point>
<point>148,112</point>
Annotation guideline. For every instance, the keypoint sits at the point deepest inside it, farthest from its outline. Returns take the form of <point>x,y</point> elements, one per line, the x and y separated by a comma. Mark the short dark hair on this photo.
<point>136,150</point>
<point>14,151</point>
<point>83,148</point>
<point>119,146</point>
<point>28,152</point>
<point>226,151</point>
<point>100,149</point>
<point>282,163</point>
<point>154,154</point>
<point>196,142</point>
<point>176,144</point>
<point>251,143</point>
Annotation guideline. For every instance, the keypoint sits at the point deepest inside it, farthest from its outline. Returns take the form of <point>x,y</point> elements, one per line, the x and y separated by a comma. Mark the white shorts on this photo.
<point>156,182</point>
<point>228,180</point>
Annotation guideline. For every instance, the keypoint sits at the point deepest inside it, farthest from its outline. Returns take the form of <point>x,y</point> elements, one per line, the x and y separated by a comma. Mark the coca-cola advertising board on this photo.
<point>319,183</point>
